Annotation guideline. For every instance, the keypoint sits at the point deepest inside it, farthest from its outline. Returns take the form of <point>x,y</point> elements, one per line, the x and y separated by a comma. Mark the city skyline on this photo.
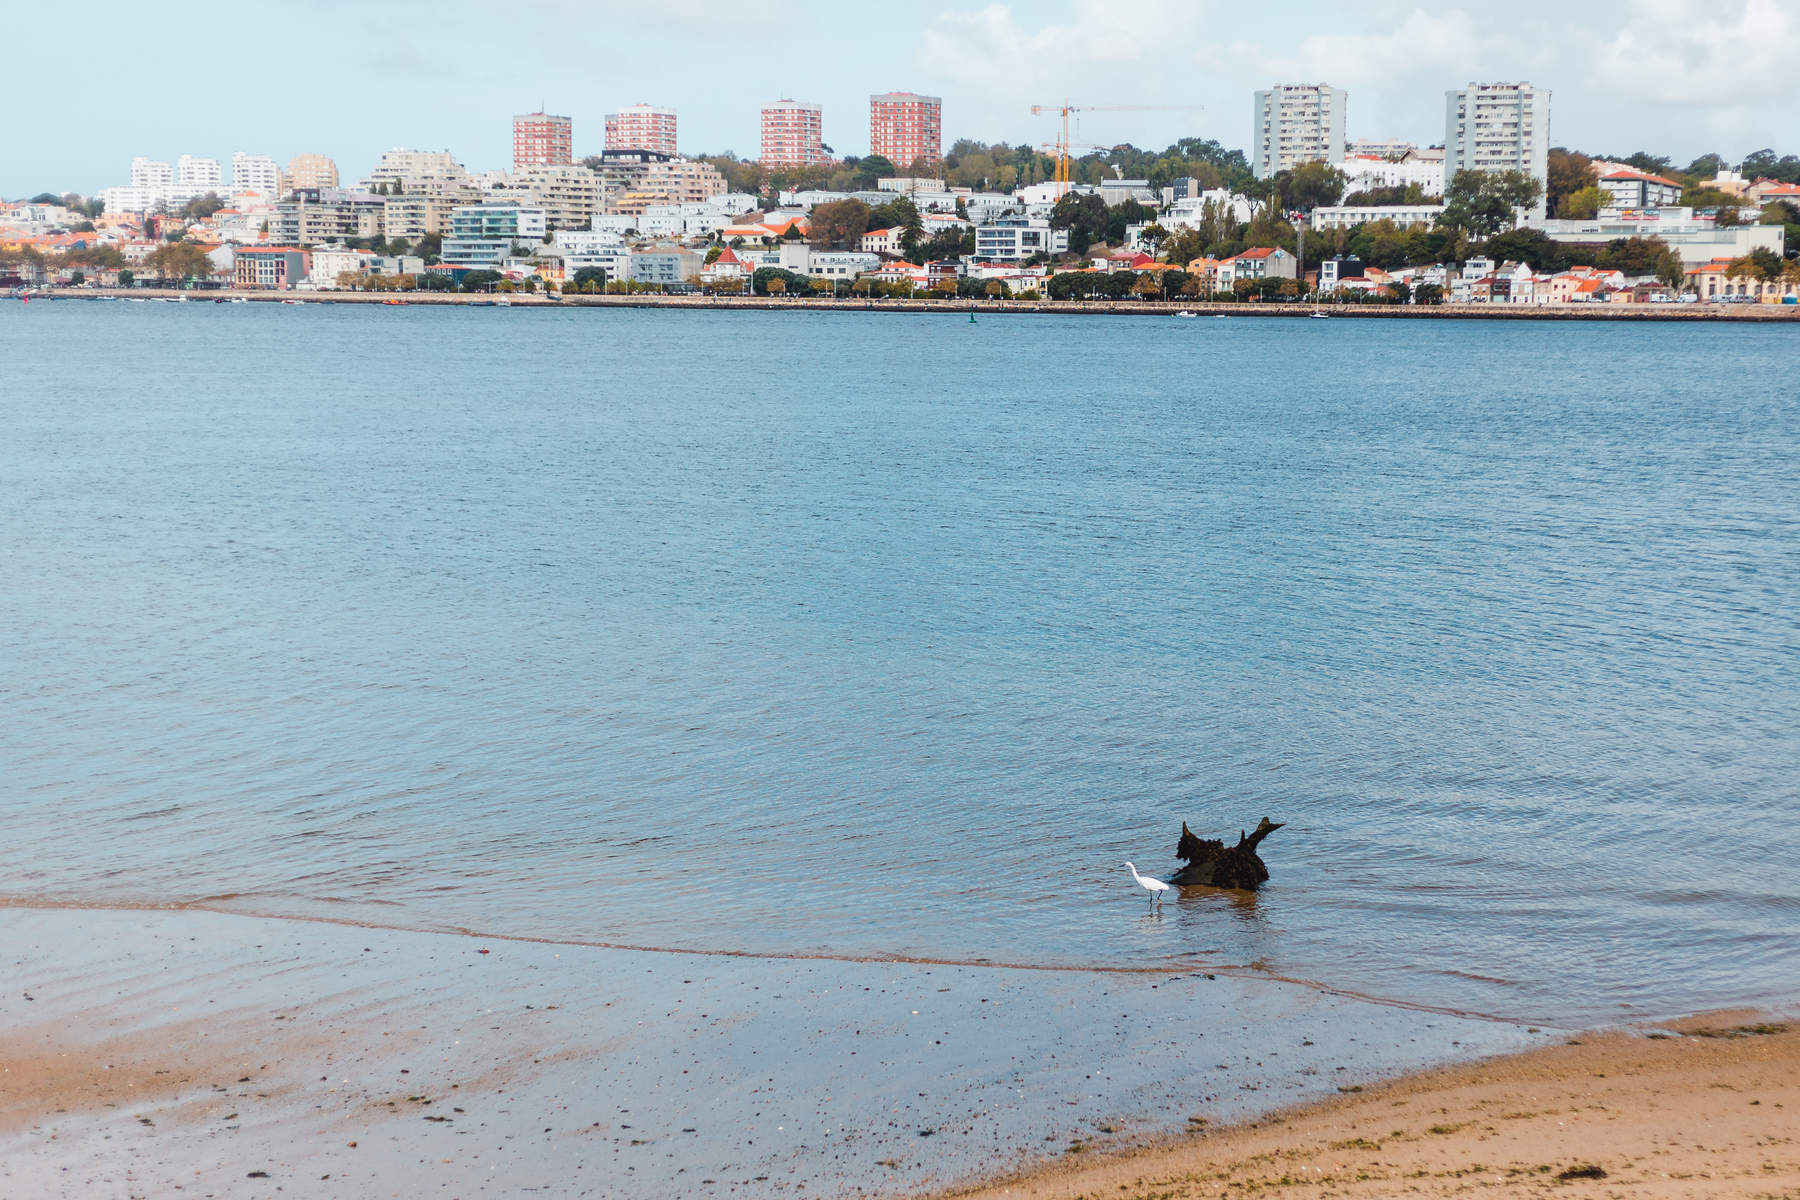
<point>1665,80</point>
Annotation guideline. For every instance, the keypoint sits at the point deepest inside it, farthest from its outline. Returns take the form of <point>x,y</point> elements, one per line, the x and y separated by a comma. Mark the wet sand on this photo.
<point>154,1052</point>
<point>1708,1107</point>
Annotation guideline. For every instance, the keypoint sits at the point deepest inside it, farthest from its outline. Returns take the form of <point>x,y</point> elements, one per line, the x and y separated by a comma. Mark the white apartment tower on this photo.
<point>198,175</point>
<point>1298,123</point>
<point>1498,127</point>
<point>151,173</point>
<point>256,173</point>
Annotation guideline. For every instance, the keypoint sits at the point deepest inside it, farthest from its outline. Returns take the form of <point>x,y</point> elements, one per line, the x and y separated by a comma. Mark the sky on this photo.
<point>352,78</point>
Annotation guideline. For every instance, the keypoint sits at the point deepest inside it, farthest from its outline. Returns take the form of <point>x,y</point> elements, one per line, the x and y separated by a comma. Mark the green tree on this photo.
<point>1707,166</point>
<point>127,279</point>
<point>1312,185</point>
<point>1761,265</point>
<point>179,260</point>
<point>594,276</point>
<point>1567,173</point>
<point>1481,203</point>
<point>1584,205</point>
<point>1084,216</point>
<point>201,207</point>
<point>1643,256</point>
<point>838,224</point>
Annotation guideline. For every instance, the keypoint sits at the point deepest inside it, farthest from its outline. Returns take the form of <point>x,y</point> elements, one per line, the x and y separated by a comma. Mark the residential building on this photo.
<point>329,262</point>
<point>1389,148</point>
<point>1261,263</point>
<point>276,268</point>
<point>636,179</point>
<point>315,216</point>
<point>1363,172</point>
<point>1015,239</point>
<point>905,128</point>
<point>728,267</point>
<point>1712,281</point>
<point>665,266</point>
<point>1637,189</point>
<point>499,219</point>
<point>410,218</point>
<point>255,173</point>
<point>1117,191</point>
<point>1498,127</point>
<point>1696,237</point>
<point>841,264</point>
<point>311,171</point>
<point>1335,271</point>
<point>483,235</point>
<point>793,134</point>
<point>432,172</point>
<point>1343,216</point>
<point>198,175</point>
<point>542,140</point>
<point>883,241</point>
<point>151,173</point>
<point>642,127</point>
<point>1297,123</point>
<point>570,195</point>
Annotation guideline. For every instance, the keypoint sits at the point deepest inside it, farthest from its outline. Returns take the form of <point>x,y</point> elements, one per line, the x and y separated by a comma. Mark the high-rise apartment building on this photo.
<point>311,171</point>
<point>541,140</point>
<point>198,175</point>
<point>1498,127</point>
<point>905,128</point>
<point>1297,123</point>
<point>255,173</point>
<point>642,127</point>
<point>793,134</point>
<point>419,172</point>
<point>151,173</point>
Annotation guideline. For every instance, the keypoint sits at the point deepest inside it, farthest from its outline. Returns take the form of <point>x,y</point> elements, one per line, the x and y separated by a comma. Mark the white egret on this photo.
<point>1155,887</point>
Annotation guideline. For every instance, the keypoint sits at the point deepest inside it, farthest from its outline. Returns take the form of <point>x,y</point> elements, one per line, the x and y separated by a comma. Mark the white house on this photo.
<point>1636,189</point>
<point>1015,239</point>
<point>841,264</point>
<point>1342,216</point>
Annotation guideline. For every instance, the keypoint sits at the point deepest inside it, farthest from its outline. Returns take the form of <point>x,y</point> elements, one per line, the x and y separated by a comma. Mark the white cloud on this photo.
<point>1683,52</point>
<point>990,51</point>
<point>1440,42</point>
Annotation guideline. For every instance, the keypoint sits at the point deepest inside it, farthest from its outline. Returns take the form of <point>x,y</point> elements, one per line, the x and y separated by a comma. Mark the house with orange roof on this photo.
<point>763,234</point>
<point>1263,262</point>
<point>884,241</point>
<point>728,266</point>
<point>901,272</point>
<point>1713,281</point>
<point>1767,191</point>
<point>1638,189</point>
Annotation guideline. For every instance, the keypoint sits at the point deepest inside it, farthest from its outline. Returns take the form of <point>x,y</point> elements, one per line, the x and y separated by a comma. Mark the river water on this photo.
<point>868,635</point>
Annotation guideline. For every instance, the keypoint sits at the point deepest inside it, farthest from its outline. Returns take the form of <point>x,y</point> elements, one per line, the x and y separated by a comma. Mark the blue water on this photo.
<point>884,635</point>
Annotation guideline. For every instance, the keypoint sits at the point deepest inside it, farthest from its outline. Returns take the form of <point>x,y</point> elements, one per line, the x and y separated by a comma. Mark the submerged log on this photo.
<point>1218,865</point>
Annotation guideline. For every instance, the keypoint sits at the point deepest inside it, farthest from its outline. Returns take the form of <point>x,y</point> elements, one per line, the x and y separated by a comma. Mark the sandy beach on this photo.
<point>1705,1107</point>
<point>155,1052</point>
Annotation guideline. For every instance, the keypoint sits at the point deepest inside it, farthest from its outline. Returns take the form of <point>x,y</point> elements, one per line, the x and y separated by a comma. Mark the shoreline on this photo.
<point>1752,313</point>
<point>1708,1106</point>
<point>146,1049</point>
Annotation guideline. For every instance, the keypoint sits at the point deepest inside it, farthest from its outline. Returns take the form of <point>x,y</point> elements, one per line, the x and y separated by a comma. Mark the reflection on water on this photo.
<point>528,623</point>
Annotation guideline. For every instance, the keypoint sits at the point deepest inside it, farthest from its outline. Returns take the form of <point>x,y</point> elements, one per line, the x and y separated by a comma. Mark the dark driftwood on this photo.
<point>1212,862</point>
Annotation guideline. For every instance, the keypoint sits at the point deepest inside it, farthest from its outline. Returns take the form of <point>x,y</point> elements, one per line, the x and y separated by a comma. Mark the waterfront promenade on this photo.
<point>1777,313</point>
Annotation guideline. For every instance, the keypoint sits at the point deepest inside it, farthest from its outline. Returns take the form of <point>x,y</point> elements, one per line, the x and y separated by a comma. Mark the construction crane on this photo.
<point>1062,143</point>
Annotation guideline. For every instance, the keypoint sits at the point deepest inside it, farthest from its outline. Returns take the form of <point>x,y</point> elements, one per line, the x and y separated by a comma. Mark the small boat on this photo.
<point>1185,313</point>
<point>1319,316</point>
